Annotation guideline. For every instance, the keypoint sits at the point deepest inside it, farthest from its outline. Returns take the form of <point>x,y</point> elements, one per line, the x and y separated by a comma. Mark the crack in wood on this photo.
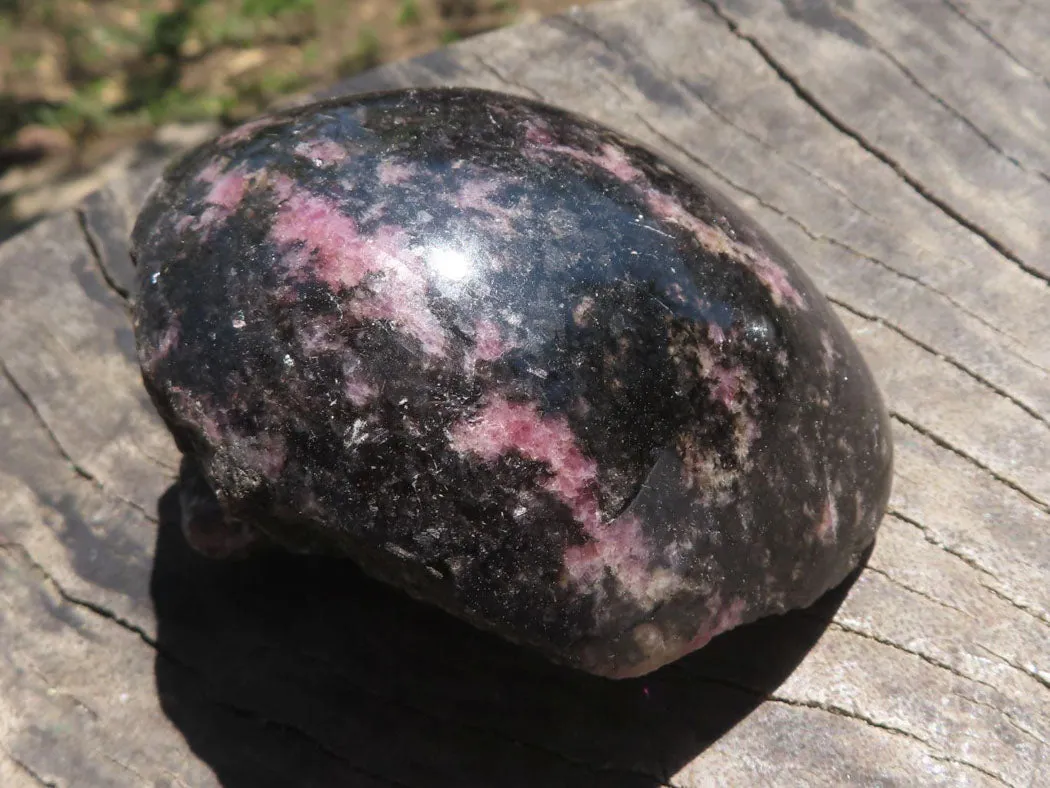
<point>620,52</point>
<point>631,56</point>
<point>627,56</point>
<point>202,680</point>
<point>832,241</point>
<point>78,469</point>
<point>96,256</point>
<point>39,417</point>
<point>169,468</point>
<point>994,41</point>
<point>1037,614</point>
<point>941,355</point>
<point>1031,671</point>
<point>502,78</point>
<point>1010,719</point>
<point>633,100</point>
<point>25,768</point>
<point>810,98</point>
<point>941,665</point>
<point>126,767</point>
<point>51,687</point>
<point>303,735</point>
<point>982,135</point>
<point>900,584</point>
<point>930,749</point>
<point>986,772</point>
<point>924,530</point>
<point>145,637</point>
<point>859,716</point>
<point>882,640</point>
<point>94,607</point>
<point>820,238</point>
<point>945,444</point>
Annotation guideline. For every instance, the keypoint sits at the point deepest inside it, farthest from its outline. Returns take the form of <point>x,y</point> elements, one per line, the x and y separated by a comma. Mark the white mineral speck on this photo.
<point>238,320</point>
<point>288,360</point>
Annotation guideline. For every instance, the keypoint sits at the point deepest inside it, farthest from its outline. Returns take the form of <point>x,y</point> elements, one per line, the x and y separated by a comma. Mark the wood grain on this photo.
<point>899,150</point>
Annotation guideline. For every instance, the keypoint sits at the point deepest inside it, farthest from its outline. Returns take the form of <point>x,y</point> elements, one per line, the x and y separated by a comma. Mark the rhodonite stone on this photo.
<point>510,362</point>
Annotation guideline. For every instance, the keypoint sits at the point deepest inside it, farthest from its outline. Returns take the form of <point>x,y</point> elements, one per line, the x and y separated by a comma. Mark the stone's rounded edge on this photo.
<point>205,526</point>
<point>631,555</point>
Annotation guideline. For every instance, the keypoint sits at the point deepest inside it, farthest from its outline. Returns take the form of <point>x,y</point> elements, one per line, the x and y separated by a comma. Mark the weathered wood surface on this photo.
<point>900,150</point>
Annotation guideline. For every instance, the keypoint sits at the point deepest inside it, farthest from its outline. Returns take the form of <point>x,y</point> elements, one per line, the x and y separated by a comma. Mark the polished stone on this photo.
<point>511,362</point>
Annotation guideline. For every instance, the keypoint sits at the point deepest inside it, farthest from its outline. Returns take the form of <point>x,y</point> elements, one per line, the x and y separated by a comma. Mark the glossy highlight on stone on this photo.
<point>511,362</point>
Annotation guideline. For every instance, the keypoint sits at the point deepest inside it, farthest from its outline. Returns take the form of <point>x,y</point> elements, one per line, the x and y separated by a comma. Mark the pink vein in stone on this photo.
<point>224,198</point>
<point>322,152</point>
<point>197,411</point>
<point>727,383</point>
<point>827,527</point>
<point>614,160</point>
<point>676,293</point>
<point>476,194</point>
<point>357,388</point>
<point>489,343</point>
<point>359,392</point>
<point>581,313</point>
<point>503,427</point>
<point>266,453</point>
<point>246,130</point>
<point>619,546</point>
<point>714,239</point>
<point>830,354</point>
<point>319,336</point>
<point>392,173</point>
<point>169,339</point>
<point>320,241</point>
<point>166,342</point>
<point>538,135</point>
<point>723,617</point>
<point>211,173</point>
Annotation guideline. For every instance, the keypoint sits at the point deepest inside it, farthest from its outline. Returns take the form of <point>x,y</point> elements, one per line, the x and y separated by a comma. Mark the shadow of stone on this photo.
<point>297,670</point>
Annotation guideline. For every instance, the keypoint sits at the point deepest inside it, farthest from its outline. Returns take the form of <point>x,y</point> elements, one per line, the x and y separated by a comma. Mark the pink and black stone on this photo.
<point>510,362</point>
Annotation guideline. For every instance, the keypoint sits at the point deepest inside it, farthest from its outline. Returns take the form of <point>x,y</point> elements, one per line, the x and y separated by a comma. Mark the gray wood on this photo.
<point>1018,28</point>
<point>899,150</point>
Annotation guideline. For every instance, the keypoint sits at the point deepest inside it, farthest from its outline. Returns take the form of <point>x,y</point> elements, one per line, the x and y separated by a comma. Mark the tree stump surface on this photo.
<point>900,151</point>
